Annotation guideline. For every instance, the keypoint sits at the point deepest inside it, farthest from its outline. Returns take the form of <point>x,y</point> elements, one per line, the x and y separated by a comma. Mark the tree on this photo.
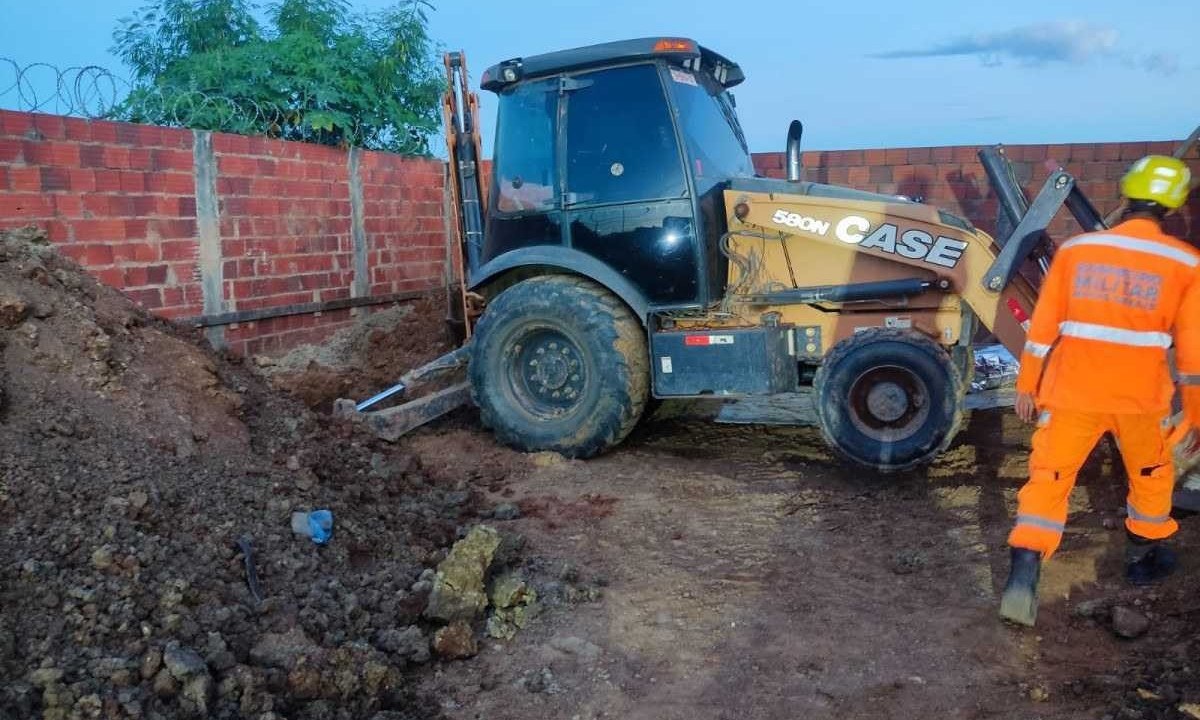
<point>313,70</point>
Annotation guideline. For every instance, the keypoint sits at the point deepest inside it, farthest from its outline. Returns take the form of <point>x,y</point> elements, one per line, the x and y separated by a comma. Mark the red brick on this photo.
<point>133,181</point>
<point>27,179</point>
<point>164,159</point>
<point>918,156</point>
<point>25,206</point>
<point>93,255</point>
<point>175,228</point>
<point>68,206</point>
<point>99,230</point>
<point>1083,152</point>
<point>116,157</point>
<point>55,178</point>
<point>11,150</point>
<point>77,129</point>
<point>965,154</point>
<point>1133,151</point>
<point>15,123</point>
<point>880,173</point>
<point>108,181</point>
<point>50,127</point>
<point>82,181</point>
<point>942,154</point>
<point>149,298</point>
<point>171,182</point>
<point>140,159</point>
<point>135,252</point>
<point>180,250</point>
<point>110,276</point>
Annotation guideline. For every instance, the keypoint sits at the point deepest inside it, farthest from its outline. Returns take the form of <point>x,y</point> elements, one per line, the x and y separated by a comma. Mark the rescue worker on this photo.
<point>1095,361</point>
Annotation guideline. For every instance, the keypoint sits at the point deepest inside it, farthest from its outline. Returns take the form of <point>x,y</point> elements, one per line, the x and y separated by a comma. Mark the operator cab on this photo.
<point>617,154</point>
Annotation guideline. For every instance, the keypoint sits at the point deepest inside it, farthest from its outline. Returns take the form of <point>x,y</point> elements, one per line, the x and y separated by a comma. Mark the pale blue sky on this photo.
<point>860,74</point>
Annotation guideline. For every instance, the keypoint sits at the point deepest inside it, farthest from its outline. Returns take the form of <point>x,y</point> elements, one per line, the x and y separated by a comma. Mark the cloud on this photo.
<point>1066,41</point>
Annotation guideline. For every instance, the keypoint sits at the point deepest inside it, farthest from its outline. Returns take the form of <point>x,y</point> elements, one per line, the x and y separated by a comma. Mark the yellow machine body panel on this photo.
<point>783,241</point>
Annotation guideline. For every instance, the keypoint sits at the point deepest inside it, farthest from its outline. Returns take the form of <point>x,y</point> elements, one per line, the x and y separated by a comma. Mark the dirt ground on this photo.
<point>744,574</point>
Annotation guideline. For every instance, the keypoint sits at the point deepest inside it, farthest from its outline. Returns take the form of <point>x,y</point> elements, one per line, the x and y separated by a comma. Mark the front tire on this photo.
<point>559,364</point>
<point>888,399</point>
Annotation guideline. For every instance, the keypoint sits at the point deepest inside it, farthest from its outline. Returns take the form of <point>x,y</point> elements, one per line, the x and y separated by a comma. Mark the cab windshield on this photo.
<point>716,147</point>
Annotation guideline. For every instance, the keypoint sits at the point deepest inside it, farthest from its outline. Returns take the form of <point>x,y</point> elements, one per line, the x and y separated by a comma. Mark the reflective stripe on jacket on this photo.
<point>1109,309</point>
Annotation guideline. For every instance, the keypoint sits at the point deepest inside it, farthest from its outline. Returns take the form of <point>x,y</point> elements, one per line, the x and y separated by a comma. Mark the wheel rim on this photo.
<point>889,403</point>
<point>547,376</point>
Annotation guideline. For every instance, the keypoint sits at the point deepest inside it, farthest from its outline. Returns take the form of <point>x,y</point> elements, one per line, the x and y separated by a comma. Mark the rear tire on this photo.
<point>559,364</point>
<point>888,399</point>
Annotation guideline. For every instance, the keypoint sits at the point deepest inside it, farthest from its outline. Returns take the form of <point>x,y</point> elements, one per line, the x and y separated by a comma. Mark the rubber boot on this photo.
<point>1019,602</point>
<point>1147,562</point>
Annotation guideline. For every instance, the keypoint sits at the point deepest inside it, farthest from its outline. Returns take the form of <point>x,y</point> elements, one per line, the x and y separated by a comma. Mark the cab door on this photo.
<point>626,197</point>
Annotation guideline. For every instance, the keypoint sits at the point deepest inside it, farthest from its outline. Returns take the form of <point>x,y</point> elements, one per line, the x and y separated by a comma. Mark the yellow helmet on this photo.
<point>1160,179</point>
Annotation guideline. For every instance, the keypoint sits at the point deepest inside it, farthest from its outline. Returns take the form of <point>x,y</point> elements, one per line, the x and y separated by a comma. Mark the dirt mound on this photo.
<point>365,358</point>
<point>132,459</point>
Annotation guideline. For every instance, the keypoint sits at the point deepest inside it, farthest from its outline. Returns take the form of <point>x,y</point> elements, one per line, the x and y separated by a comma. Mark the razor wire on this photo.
<point>88,91</point>
<point>93,92</point>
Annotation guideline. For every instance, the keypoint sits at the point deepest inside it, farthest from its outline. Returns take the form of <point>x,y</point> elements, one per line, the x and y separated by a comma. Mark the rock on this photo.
<point>546,459</point>
<point>506,511</point>
<point>1096,609</point>
<point>13,312</point>
<point>1039,694</point>
<point>89,706</point>
<point>293,463</point>
<point>409,643</point>
<point>304,683</point>
<point>102,557</point>
<point>138,499</point>
<point>45,676</point>
<point>907,561</point>
<point>217,654</point>
<point>514,602</point>
<point>458,592</point>
<point>183,662</point>
<point>578,647</point>
<point>165,685</point>
<point>1129,623</point>
<point>1190,709</point>
<point>282,650</point>
<point>151,662</point>
<point>542,681</point>
<point>455,642</point>
<point>198,690</point>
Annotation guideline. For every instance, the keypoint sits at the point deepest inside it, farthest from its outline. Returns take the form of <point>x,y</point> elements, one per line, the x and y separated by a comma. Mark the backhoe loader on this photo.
<point>624,251</point>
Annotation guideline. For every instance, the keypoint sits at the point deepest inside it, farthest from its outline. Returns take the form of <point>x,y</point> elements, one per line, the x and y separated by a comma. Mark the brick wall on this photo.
<point>291,223</point>
<point>952,178</point>
<point>121,199</point>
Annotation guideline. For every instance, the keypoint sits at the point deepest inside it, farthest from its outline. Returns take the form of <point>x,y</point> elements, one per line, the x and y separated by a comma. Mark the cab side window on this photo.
<point>620,141</point>
<point>525,172</point>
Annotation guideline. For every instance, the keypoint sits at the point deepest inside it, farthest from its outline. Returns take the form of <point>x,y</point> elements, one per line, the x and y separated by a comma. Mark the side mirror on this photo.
<point>795,131</point>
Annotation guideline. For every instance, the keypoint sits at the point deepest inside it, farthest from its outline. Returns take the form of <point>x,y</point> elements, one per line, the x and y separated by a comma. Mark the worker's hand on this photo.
<point>1026,407</point>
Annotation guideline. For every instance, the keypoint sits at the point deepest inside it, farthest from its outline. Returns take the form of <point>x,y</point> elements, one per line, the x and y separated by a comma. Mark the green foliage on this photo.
<point>314,71</point>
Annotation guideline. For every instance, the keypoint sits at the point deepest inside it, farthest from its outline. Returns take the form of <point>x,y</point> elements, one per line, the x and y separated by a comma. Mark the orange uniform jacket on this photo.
<point>1111,305</point>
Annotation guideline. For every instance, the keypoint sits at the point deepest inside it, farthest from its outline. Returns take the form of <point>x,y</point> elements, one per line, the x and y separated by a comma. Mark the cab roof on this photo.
<point>682,51</point>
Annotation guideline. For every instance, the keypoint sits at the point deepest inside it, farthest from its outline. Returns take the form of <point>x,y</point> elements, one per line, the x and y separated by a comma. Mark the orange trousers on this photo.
<point>1061,445</point>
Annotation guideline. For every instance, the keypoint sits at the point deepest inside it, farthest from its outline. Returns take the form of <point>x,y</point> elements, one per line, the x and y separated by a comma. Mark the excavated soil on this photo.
<point>132,460</point>
<point>364,358</point>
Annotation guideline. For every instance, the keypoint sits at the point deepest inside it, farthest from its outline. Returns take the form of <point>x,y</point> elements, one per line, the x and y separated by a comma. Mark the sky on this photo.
<point>871,73</point>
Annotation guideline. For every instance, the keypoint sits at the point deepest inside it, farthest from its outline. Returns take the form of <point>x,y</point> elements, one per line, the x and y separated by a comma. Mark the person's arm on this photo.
<point>1187,351</point>
<point>1051,310</point>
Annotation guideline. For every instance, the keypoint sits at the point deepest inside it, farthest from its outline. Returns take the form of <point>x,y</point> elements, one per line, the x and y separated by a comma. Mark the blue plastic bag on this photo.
<point>320,526</point>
